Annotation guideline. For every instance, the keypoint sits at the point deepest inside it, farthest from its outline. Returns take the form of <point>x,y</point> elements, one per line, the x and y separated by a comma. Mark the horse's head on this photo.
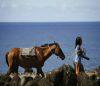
<point>54,48</point>
<point>58,51</point>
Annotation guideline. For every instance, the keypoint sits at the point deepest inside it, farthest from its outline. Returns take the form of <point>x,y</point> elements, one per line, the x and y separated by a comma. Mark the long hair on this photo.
<point>78,41</point>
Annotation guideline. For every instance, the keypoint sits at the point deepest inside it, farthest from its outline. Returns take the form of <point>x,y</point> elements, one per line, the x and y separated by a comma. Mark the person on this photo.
<point>79,53</point>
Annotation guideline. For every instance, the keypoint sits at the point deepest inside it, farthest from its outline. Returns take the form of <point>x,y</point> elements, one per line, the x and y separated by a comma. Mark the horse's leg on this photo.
<point>8,72</point>
<point>12,69</point>
<point>11,64</point>
<point>15,69</point>
<point>39,71</point>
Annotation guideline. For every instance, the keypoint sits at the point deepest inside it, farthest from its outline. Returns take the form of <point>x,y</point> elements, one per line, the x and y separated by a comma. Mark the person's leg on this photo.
<point>81,68</point>
<point>77,70</point>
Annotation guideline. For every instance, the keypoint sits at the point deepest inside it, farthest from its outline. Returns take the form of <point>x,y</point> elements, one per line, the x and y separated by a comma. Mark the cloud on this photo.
<point>49,10</point>
<point>2,4</point>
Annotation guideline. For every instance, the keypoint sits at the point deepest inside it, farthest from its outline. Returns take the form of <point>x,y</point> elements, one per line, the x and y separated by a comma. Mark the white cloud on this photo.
<point>49,10</point>
<point>2,4</point>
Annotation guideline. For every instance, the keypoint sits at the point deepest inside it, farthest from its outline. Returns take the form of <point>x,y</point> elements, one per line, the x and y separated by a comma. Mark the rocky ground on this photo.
<point>63,76</point>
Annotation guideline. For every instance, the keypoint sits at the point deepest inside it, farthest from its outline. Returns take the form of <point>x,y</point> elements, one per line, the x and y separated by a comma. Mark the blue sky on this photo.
<point>49,10</point>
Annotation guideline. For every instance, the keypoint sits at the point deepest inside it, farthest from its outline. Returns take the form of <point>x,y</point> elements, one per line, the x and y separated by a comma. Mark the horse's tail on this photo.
<point>7,58</point>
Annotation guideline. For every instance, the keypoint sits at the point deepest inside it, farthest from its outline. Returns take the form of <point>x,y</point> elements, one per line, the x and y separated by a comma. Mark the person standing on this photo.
<point>79,53</point>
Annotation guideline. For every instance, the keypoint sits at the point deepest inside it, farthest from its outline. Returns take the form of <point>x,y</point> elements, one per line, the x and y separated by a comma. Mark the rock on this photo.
<point>45,82</point>
<point>5,80</point>
<point>62,76</point>
<point>15,81</point>
<point>88,80</point>
<point>25,80</point>
<point>83,79</point>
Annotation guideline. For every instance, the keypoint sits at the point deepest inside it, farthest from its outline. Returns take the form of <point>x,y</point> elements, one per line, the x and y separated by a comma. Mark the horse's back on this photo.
<point>14,49</point>
<point>14,52</point>
<point>27,51</point>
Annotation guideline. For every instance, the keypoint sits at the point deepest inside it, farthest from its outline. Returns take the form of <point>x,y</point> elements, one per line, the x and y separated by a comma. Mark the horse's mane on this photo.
<point>44,45</point>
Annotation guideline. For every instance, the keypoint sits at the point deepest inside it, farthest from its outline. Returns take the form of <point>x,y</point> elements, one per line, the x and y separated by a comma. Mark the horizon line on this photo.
<point>48,21</point>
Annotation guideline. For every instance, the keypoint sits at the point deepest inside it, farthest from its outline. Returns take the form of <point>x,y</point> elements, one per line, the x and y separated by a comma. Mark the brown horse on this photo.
<point>42,53</point>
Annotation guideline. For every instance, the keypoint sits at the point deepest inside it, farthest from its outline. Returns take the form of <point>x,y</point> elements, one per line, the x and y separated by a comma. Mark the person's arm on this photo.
<point>84,51</point>
<point>84,54</point>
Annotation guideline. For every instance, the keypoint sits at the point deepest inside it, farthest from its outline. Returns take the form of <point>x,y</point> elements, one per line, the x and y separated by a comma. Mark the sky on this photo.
<point>49,10</point>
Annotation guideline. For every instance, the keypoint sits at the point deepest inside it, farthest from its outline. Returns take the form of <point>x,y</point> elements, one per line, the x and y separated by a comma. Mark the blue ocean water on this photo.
<point>28,34</point>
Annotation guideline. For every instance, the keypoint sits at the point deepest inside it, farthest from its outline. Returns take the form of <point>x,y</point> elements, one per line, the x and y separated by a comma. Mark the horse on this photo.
<point>42,53</point>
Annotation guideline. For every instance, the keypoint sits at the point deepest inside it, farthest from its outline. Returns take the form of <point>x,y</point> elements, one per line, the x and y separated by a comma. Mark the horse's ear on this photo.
<point>55,42</point>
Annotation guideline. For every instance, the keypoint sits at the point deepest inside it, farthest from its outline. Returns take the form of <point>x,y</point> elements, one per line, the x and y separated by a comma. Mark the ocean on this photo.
<point>28,34</point>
